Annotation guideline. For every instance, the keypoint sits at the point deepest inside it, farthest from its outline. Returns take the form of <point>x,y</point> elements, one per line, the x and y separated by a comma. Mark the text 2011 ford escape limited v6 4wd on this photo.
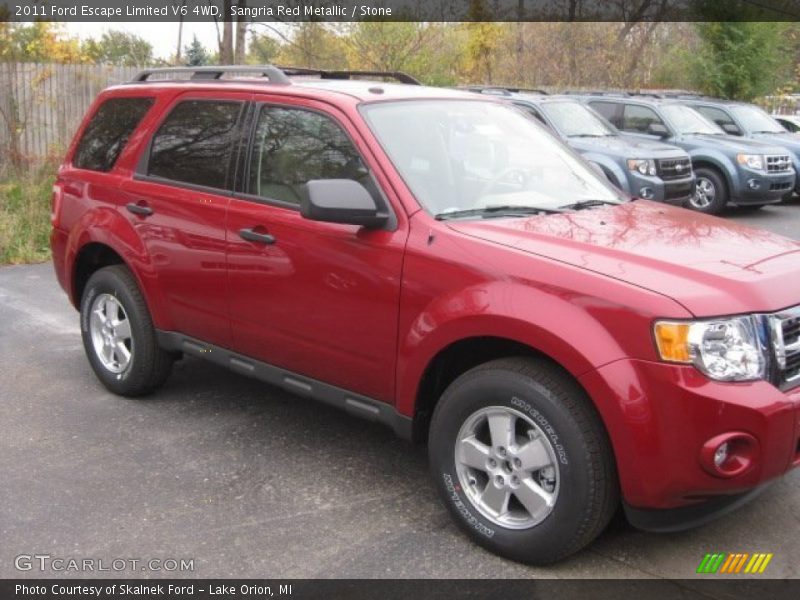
<point>437,261</point>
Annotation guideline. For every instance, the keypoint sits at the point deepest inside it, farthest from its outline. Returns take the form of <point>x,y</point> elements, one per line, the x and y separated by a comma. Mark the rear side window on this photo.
<point>610,111</point>
<point>108,132</point>
<point>293,146</point>
<point>195,142</point>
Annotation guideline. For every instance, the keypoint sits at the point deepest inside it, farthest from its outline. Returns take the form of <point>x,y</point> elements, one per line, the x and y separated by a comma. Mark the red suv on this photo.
<point>437,261</point>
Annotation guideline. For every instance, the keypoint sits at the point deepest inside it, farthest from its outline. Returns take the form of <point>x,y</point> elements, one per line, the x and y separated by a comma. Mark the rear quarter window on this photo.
<point>108,131</point>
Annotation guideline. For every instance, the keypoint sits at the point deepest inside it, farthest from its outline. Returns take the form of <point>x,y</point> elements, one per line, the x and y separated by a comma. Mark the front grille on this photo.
<point>674,168</point>
<point>778,163</point>
<point>786,344</point>
<point>780,187</point>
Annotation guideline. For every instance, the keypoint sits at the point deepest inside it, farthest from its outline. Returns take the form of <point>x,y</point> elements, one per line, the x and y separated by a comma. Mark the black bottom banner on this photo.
<point>389,589</point>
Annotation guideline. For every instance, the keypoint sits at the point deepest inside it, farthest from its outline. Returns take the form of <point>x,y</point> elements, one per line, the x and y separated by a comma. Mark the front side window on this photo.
<point>108,132</point>
<point>573,119</point>
<point>463,155</point>
<point>293,146</point>
<point>195,142</point>
<point>610,111</point>
<point>720,117</point>
<point>639,119</point>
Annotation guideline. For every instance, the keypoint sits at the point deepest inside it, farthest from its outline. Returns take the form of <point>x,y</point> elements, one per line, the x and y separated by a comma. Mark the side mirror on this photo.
<point>731,129</point>
<point>341,201</point>
<point>658,129</point>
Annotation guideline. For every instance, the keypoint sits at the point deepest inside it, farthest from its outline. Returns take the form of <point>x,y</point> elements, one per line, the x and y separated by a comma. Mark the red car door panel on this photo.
<point>319,299</point>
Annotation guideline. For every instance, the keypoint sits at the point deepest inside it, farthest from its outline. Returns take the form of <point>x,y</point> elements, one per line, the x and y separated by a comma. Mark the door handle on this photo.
<point>254,236</point>
<point>139,209</point>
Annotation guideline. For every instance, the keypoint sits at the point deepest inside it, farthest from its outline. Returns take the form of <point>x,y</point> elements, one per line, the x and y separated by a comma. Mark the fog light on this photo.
<point>721,455</point>
<point>729,454</point>
<point>646,193</point>
<point>753,184</point>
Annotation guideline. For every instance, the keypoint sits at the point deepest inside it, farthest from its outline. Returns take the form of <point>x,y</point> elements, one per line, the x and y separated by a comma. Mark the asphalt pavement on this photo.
<point>246,480</point>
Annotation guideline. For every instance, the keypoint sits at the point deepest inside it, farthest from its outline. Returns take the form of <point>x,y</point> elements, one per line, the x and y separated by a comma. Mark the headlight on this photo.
<point>753,161</point>
<point>725,349</point>
<point>645,166</point>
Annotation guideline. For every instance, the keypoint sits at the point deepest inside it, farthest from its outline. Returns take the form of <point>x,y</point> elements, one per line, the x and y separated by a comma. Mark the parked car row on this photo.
<point>681,149</point>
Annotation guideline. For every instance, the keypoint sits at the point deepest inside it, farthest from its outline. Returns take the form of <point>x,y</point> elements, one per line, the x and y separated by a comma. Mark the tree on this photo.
<point>196,54</point>
<point>39,42</point>
<point>740,60</point>
<point>119,48</point>
<point>263,49</point>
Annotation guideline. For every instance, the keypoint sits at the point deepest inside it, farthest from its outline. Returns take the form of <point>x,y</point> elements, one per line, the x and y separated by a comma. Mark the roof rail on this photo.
<point>273,74</point>
<point>501,90</point>
<point>350,74</point>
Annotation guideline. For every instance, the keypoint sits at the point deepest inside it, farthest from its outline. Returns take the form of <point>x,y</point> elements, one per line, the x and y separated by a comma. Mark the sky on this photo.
<point>162,36</point>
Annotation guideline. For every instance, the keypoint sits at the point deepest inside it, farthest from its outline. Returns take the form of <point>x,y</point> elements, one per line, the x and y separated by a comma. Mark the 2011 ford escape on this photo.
<point>436,261</point>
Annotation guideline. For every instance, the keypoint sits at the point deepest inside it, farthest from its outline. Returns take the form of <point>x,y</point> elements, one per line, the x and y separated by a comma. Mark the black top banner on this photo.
<point>398,10</point>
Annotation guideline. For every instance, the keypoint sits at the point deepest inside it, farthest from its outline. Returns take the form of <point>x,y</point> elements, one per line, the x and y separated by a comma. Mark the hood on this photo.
<point>711,266</point>
<point>735,143</point>
<point>790,141</point>
<point>626,147</point>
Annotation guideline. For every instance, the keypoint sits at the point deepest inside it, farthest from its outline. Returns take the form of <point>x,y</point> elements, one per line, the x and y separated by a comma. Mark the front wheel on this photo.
<point>522,461</point>
<point>118,334</point>
<point>710,192</point>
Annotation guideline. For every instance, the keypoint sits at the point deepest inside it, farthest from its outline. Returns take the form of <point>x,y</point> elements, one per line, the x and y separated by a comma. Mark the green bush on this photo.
<point>25,216</point>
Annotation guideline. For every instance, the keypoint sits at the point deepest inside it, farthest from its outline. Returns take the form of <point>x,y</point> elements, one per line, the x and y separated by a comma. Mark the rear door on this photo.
<point>319,299</point>
<point>177,202</point>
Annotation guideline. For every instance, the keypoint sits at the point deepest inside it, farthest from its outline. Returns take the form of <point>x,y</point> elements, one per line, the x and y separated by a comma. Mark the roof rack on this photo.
<point>273,74</point>
<point>501,90</point>
<point>350,74</point>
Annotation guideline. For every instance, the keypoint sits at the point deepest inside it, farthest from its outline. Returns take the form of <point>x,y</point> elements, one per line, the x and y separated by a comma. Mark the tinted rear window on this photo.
<point>108,132</point>
<point>194,143</point>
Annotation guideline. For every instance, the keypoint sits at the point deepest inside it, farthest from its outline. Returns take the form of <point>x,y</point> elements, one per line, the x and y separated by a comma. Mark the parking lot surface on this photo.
<point>249,481</point>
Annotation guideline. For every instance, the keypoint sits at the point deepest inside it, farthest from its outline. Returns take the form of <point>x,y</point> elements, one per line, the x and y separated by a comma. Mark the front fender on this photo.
<point>557,327</point>
<point>719,160</point>
<point>611,166</point>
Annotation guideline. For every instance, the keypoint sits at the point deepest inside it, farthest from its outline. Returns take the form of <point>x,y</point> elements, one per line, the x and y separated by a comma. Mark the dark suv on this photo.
<point>438,262</point>
<point>643,168</point>
<point>750,121</point>
<point>728,168</point>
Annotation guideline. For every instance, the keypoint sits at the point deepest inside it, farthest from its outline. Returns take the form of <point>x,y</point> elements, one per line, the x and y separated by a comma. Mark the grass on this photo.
<point>25,216</point>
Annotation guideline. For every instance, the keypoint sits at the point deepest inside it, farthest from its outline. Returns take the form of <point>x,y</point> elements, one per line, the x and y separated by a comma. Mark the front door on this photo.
<point>319,299</point>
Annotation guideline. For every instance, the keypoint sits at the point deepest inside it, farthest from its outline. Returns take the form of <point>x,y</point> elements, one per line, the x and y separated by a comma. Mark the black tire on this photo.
<point>149,365</point>
<point>587,496</point>
<point>720,189</point>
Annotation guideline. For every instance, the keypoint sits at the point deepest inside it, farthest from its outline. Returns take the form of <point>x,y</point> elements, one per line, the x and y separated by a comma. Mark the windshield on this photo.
<point>573,119</point>
<point>755,120</point>
<point>685,120</point>
<point>458,155</point>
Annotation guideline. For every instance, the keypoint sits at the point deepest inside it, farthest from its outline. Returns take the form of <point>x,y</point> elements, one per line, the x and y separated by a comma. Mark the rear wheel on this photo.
<point>711,192</point>
<point>522,461</point>
<point>118,334</point>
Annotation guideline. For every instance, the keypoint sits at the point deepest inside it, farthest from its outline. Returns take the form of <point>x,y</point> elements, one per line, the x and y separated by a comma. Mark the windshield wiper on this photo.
<point>589,135</point>
<point>587,204</point>
<point>495,211</point>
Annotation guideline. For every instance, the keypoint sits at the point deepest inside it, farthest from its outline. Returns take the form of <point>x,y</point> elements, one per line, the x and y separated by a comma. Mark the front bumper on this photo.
<point>758,187</point>
<point>659,416</point>
<point>669,191</point>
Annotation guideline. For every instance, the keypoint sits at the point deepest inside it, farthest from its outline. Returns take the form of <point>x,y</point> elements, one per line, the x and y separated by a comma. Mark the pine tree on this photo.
<point>196,54</point>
